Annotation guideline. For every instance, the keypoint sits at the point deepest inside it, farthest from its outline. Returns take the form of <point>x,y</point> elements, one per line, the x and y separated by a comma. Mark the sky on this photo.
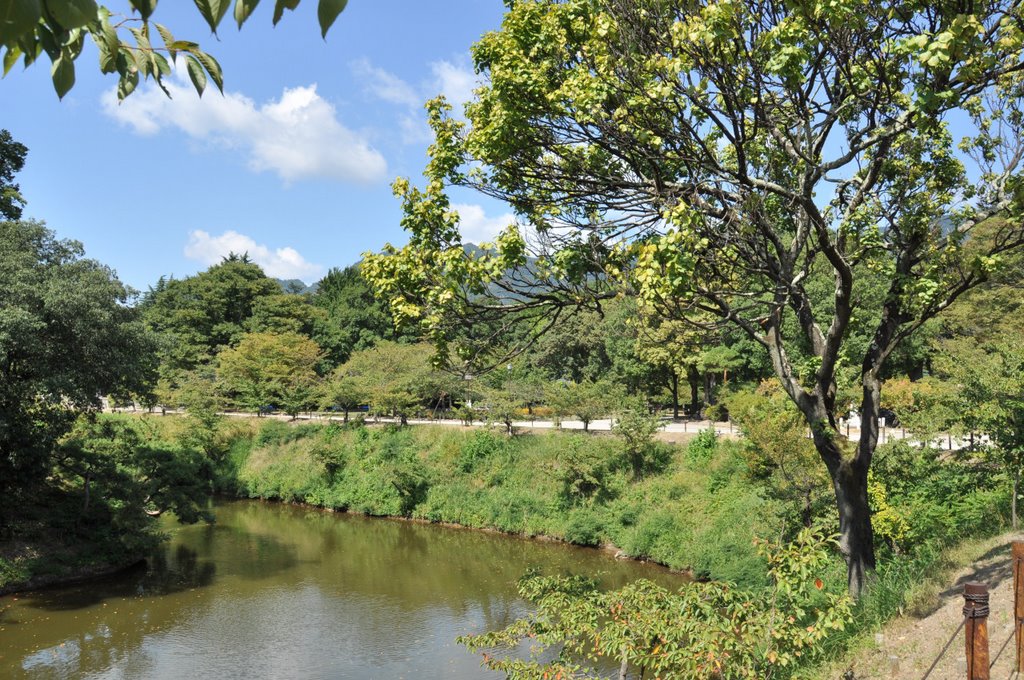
<point>293,164</point>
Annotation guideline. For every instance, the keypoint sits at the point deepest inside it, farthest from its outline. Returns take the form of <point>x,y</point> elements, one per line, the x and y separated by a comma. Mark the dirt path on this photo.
<point>908,645</point>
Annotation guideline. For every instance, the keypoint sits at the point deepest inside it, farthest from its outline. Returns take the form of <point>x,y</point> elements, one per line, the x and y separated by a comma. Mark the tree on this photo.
<point>588,401</point>
<point>284,313</point>
<point>271,369</point>
<point>197,316</point>
<point>706,157</point>
<point>394,377</point>
<point>67,336</point>
<point>357,318</point>
<point>777,449</point>
<point>503,404</point>
<point>636,427</point>
<point>59,27</point>
<point>120,468</point>
<point>12,160</point>
<point>343,390</point>
<point>989,398</point>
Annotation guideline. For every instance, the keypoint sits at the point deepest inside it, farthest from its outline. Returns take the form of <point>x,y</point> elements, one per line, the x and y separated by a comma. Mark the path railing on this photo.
<point>975,626</point>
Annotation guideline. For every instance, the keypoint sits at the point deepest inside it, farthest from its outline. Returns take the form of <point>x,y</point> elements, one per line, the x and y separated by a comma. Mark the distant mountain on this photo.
<point>296,287</point>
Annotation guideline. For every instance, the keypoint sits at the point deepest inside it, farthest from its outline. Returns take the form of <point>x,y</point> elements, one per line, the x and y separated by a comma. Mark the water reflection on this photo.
<point>276,591</point>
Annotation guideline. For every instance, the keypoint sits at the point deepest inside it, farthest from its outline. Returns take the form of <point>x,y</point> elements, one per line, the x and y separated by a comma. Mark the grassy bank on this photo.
<point>572,487</point>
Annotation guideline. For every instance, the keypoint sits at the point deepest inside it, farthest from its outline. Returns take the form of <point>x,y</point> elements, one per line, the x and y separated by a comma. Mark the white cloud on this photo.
<point>280,263</point>
<point>415,129</point>
<point>476,227</point>
<point>297,136</point>
<point>455,81</point>
<point>385,85</point>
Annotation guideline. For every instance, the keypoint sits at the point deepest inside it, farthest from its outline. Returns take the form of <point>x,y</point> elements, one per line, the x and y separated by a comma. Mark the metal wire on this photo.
<point>945,648</point>
<point>996,657</point>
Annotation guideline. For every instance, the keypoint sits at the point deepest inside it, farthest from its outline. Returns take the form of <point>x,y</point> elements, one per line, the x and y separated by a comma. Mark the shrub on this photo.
<point>702,630</point>
<point>702,447</point>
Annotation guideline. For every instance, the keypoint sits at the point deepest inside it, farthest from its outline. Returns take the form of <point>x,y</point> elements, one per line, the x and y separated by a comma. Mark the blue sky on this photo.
<point>293,164</point>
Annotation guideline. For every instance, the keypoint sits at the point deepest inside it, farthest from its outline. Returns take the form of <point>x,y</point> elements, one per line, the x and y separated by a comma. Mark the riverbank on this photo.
<point>567,487</point>
<point>31,565</point>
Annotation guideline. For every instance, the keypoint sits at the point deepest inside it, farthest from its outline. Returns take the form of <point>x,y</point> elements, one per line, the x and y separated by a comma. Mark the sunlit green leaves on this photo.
<point>702,630</point>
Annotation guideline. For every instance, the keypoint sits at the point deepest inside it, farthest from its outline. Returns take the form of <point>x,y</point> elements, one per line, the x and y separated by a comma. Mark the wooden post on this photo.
<point>976,630</point>
<point>1017,552</point>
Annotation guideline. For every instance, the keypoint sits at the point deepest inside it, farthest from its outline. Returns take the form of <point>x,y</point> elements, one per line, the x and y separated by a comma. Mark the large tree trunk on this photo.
<point>856,538</point>
<point>675,395</point>
<point>693,377</point>
<point>709,388</point>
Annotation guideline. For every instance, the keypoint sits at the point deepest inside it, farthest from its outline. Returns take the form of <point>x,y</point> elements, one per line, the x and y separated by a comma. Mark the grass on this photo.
<point>568,486</point>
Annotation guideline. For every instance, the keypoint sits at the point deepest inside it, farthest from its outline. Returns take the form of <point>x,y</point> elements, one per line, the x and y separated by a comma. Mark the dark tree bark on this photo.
<point>675,395</point>
<point>693,377</point>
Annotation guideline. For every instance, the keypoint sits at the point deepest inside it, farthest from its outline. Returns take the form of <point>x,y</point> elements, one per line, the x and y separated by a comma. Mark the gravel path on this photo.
<point>908,646</point>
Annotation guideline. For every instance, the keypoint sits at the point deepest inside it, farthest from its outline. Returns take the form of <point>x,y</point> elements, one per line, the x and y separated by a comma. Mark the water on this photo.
<point>274,591</point>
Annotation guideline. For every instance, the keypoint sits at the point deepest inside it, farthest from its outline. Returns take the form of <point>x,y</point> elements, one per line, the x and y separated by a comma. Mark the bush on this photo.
<point>584,528</point>
<point>702,447</point>
<point>704,630</point>
<point>716,413</point>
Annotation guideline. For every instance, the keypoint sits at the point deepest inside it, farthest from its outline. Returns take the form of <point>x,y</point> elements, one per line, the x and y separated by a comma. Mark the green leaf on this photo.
<point>72,13</point>
<point>10,58</point>
<point>141,39</point>
<point>168,38</point>
<point>160,65</point>
<point>281,5</point>
<point>244,8</point>
<point>109,45</point>
<point>195,73</point>
<point>144,7</point>
<point>213,11</point>
<point>63,74</point>
<point>213,68</point>
<point>17,17</point>
<point>129,81</point>
<point>327,12</point>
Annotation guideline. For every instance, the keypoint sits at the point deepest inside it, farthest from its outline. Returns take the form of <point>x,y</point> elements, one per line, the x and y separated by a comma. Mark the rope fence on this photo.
<point>975,627</point>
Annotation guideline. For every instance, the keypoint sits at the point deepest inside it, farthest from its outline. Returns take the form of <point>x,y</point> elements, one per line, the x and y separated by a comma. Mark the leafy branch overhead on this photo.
<point>126,41</point>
